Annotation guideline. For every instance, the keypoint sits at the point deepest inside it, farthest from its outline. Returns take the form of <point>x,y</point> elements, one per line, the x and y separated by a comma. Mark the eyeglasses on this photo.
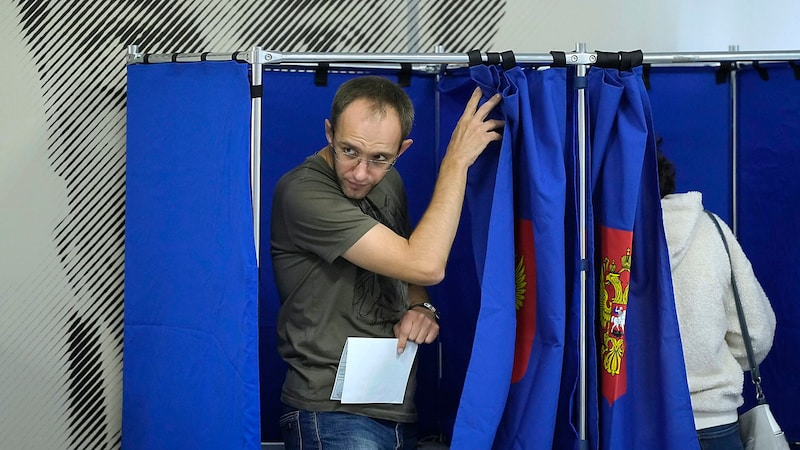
<point>350,157</point>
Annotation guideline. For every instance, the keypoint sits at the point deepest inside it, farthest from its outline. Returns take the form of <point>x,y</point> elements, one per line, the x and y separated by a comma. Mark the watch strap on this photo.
<point>428,306</point>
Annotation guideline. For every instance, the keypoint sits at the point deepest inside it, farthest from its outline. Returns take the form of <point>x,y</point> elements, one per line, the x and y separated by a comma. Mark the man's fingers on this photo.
<point>432,335</point>
<point>402,337</point>
<point>495,124</point>
<point>416,327</point>
<point>413,335</point>
<point>488,106</point>
<point>472,104</point>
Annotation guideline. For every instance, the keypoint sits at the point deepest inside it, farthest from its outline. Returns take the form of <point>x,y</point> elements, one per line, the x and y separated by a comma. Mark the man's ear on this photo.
<point>329,131</point>
<point>404,146</point>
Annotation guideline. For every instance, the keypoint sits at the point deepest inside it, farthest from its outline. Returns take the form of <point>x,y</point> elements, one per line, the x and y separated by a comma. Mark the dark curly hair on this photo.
<point>666,176</point>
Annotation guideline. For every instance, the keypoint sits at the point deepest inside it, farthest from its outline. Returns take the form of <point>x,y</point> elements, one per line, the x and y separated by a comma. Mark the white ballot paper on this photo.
<point>371,371</point>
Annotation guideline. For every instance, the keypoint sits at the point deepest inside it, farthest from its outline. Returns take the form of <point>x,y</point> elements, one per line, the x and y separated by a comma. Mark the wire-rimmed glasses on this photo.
<point>350,157</point>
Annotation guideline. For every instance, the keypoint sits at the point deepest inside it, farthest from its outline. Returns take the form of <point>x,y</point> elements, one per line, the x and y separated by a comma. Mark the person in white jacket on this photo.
<point>713,348</point>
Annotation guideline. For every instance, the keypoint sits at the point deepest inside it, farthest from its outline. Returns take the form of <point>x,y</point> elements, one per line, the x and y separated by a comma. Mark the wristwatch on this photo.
<point>427,306</point>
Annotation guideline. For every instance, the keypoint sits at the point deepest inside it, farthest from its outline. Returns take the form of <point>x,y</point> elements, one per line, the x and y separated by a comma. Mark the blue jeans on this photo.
<point>722,437</point>
<point>304,430</point>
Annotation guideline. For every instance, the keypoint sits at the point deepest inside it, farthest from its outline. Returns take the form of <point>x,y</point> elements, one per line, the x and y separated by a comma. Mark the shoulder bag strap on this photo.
<point>754,373</point>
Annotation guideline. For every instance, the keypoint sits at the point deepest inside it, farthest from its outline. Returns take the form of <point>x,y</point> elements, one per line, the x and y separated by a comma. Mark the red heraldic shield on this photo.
<point>526,297</point>
<point>614,280</point>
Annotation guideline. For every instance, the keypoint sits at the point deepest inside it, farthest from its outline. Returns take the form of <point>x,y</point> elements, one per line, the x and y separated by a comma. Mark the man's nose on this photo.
<point>361,168</point>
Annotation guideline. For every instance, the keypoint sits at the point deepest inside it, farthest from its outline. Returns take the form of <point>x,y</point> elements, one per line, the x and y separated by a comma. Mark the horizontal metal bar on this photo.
<point>273,57</point>
<point>429,61</point>
<point>711,57</point>
<point>154,58</point>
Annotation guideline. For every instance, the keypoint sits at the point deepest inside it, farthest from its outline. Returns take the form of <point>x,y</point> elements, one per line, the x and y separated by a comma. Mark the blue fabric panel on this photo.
<point>293,121</point>
<point>692,116</point>
<point>488,376</point>
<point>768,222</point>
<point>540,196</point>
<point>649,405</point>
<point>516,200</point>
<point>190,378</point>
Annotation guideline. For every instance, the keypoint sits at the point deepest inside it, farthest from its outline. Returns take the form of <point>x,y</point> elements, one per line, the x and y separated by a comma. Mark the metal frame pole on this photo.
<point>734,144</point>
<point>255,148</point>
<point>581,110</point>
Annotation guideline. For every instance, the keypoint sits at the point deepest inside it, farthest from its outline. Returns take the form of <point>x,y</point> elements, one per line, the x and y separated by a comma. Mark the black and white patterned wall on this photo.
<point>62,149</point>
<point>62,172</point>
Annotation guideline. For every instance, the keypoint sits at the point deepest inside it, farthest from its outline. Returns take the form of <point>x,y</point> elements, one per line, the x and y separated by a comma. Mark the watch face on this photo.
<point>433,309</point>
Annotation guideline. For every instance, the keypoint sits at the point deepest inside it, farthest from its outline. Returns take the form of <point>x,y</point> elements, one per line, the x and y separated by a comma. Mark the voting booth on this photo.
<point>209,135</point>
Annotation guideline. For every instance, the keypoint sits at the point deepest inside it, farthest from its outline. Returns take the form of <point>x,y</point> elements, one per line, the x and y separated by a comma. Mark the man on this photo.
<point>346,263</point>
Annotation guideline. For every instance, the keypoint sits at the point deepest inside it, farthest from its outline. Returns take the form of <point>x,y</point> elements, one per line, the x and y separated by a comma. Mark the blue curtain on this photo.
<point>644,397</point>
<point>768,221</point>
<point>530,178</point>
<point>514,214</point>
<point>487,378</point>
<point>692,117</point>
<point>190,378</point>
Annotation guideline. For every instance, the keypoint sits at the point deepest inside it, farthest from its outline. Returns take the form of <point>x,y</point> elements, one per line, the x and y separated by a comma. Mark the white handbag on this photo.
<point>759,430</point>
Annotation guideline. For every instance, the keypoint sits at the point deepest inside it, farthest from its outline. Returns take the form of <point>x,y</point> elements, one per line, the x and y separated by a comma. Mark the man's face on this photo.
<point>364,146</point>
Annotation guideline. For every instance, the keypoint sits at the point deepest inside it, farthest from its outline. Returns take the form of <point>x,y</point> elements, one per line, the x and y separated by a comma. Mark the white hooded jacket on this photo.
<point>713,348</point>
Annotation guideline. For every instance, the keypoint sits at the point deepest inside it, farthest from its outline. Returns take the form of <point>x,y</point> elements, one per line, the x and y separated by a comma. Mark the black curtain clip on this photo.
<point>509,60</point>
<point>404,76</point>
<point>474,57</point>
<point>724,72</point>
<point>762,71</point>
<point>321,74</point>
<point>796,69</point>
<point>559,59</point>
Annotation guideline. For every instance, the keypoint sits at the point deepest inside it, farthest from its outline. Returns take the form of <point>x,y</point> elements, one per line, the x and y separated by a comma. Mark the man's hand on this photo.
<point>474,131</point>
<point>418,325</point>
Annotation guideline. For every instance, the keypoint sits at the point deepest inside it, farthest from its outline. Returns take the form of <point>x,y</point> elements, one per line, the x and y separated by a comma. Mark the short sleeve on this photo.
<point>316,216</point>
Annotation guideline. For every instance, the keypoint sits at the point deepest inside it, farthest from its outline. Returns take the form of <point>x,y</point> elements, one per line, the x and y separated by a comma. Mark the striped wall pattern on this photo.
<point>61,321</point>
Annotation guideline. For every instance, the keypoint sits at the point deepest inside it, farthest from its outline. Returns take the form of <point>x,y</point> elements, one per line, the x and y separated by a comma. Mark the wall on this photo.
<point>677,26</point>
<point>62,149</point>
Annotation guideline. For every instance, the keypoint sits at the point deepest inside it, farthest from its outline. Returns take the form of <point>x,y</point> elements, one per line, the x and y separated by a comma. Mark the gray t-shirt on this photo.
<point>325,298</point>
